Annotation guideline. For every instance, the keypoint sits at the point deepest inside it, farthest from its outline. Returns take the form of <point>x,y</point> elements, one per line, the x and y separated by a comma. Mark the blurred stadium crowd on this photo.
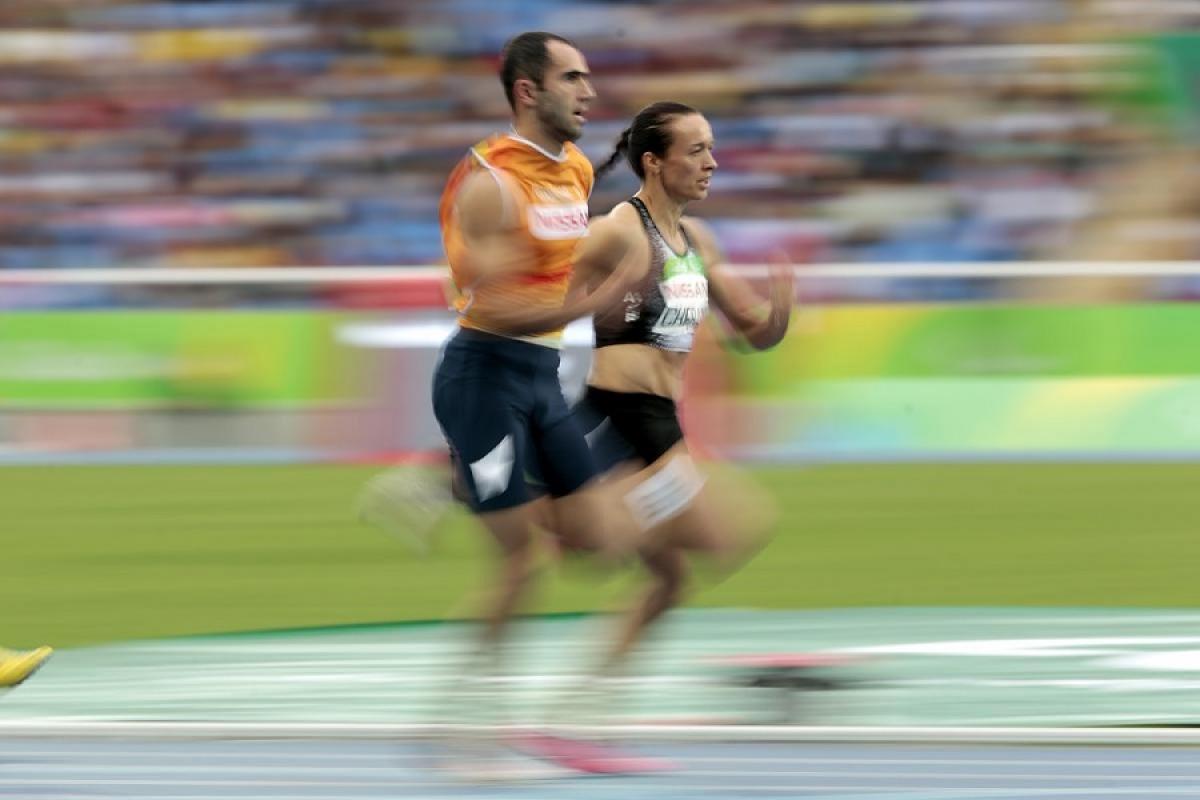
<point>319,132</point>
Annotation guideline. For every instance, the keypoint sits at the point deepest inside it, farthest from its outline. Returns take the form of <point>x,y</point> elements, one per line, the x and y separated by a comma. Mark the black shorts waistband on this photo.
<point>641,400</point>
<point>648,423</point>
<point>505,348</point>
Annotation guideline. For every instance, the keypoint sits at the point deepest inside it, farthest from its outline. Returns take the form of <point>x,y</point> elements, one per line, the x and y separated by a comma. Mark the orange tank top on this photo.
<point>550,213</point>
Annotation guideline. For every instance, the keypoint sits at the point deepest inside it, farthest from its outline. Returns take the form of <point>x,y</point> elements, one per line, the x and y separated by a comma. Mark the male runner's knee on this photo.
<point>590,521</point>
<point>525,573</point>
<point>520,565</point>
<point>511,530</point>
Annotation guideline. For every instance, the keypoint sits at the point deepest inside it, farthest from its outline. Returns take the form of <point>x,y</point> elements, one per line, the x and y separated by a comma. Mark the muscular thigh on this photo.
<point>485,421</point>
<point>560,455</point>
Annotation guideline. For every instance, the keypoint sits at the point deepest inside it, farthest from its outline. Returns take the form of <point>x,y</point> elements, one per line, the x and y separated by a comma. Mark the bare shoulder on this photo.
<point>698,229</point>
<point>483,200</point>
<point>704,238</point>
<point>611,237</point>
<point>617,226</point>
<point>480,187</point>
<point>625,214</point>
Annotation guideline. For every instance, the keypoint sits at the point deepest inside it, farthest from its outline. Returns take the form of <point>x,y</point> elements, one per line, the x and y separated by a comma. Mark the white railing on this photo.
<point>425,273</point>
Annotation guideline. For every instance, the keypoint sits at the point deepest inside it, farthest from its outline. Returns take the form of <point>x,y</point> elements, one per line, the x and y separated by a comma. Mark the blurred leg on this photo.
<point>586,513</point>
<point>667,569</point>
<point>727,517</point>
<point>512,532</point>
<point>593,520</point>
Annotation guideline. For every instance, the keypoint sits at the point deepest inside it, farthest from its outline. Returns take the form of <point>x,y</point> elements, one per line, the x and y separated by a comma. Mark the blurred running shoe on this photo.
<point>483,761</point>
<point>16,665</point>
<point>408,503</point>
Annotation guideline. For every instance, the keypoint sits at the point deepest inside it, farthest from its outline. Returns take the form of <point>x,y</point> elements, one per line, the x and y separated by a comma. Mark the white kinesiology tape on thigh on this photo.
<point>666,493</point>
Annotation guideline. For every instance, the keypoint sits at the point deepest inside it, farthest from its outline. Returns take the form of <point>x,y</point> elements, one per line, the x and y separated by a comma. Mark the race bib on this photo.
<point>684,290</point>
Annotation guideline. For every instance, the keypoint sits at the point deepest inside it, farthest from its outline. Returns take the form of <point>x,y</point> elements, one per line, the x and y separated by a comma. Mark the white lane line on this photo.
<point>1090,722</point>
<point>667,790</point>
<point>263,796</point>
<point>1018,793</point>
<point>214,782</point>
<point>942,762</point>
<point>726,734</point>
<point>974,794</point>
<point>368,773</point>
<point>140,754</point>
<point>1002,775</point>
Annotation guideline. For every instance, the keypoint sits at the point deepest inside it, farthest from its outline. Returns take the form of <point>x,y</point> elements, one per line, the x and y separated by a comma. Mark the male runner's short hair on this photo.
<point>526,56</point>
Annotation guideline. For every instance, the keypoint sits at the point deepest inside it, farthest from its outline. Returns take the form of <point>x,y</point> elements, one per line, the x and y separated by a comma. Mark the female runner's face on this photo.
<point>687,168</point>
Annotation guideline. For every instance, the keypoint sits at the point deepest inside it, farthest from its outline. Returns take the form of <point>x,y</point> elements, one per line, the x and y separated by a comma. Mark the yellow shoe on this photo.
<point>16,666</point>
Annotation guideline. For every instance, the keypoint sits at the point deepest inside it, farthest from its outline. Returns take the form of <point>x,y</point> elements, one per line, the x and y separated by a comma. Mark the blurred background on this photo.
<point>314,132</point>
<point>221,299</point>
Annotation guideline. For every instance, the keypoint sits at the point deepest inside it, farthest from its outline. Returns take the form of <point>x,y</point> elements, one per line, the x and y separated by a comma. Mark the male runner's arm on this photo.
<point>496,250</point>
<point>763,323</point>
<point>608,260</point>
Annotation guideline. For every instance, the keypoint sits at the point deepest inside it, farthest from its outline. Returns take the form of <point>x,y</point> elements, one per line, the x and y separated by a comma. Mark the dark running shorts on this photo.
<point>621,427</point>
<point>628,425</point>
<point>501,408</point>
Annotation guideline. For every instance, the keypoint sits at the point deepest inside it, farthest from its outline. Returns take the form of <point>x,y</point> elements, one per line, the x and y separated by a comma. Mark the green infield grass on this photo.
<point>103,553</point>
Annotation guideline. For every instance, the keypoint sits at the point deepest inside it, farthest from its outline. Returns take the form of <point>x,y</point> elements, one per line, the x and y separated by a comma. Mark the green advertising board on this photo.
<point>912,380</point>
<point>124,359</point>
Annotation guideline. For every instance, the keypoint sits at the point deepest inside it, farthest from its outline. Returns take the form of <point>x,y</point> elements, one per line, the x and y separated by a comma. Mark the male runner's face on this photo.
<point>565,94</point>
<point>689,163</point>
